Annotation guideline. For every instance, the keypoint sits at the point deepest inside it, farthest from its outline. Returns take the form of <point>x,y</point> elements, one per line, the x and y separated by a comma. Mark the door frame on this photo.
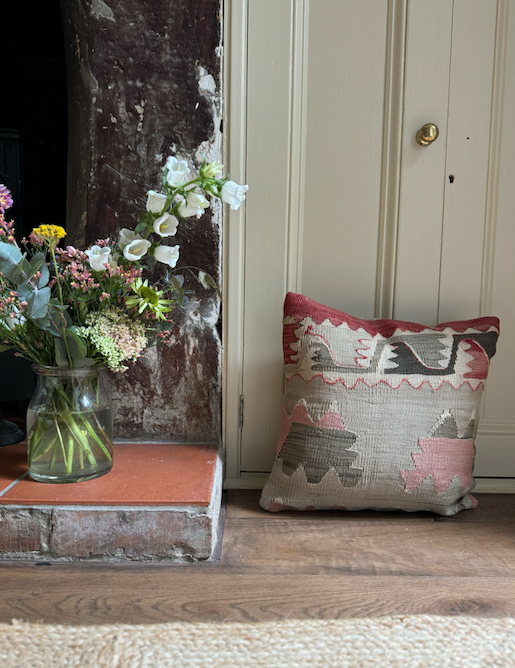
<point>235,152</point>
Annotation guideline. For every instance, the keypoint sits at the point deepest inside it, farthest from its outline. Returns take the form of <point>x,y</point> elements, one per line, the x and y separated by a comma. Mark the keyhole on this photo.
<point>451,178</point>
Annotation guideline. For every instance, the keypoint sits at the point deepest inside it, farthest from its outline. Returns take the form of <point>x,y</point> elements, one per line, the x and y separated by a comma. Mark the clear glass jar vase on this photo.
<point>69,425</point>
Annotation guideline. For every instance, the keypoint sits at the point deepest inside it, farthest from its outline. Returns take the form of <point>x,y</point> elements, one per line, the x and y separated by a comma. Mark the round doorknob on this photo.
<point>427,134</point>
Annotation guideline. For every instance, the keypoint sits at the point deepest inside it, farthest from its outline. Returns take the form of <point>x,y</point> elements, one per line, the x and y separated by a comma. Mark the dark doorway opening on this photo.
<point>33,147</point>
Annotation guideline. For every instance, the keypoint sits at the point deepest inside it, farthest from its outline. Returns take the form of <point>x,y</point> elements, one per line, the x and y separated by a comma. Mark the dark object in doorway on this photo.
<point>9,433</point>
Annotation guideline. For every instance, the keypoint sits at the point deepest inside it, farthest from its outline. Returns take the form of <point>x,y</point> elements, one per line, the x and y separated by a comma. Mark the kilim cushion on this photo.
<point>377,414</point>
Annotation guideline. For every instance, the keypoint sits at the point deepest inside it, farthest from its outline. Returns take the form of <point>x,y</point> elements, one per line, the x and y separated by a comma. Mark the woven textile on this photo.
<point>378,414</point>
<point>417,641</point>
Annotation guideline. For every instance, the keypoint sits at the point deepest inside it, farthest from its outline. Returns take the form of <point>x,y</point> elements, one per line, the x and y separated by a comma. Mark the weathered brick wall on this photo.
<point>144,83</point>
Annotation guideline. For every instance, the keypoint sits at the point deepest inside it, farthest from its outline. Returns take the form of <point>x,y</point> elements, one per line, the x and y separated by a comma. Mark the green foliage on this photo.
<point>70,348</point>
<point>10,257</point>
<point>38,263</point>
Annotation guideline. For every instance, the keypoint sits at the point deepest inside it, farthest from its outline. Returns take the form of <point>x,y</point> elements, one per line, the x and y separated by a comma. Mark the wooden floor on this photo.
<point>326,565</point>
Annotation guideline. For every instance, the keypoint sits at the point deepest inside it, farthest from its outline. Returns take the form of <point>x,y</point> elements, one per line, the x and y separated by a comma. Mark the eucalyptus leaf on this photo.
<point>38,263</point>
<point>22,272</point>
<point>55,320</point>
<point>25,292</point>
<point>47,324</point>
<point>10,256</point>
<point>38,303</point>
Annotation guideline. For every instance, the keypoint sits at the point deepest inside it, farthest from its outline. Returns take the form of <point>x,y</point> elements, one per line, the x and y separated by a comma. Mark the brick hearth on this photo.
<point>160,502</point>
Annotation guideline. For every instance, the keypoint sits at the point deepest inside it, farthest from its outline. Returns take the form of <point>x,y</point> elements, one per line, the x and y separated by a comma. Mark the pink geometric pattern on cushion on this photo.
<point>479,363</point>
<point>442,459</point>
<point>297,306</point>
<point>300,413</point>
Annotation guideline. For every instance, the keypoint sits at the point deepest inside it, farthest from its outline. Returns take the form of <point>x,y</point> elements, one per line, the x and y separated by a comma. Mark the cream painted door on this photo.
<point>325,100</point>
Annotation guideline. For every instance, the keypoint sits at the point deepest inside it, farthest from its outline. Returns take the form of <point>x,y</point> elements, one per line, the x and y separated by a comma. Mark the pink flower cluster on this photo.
<point>128,276</point>
<point>166,336</point>
<point>74,265</point>
<point>10,304</point>
<point>101,243</point>
<point>34,240</point>
<point>6,230</point>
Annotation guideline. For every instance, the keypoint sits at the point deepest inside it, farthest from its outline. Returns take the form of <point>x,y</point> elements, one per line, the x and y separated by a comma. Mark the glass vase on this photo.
<point>69,425</point>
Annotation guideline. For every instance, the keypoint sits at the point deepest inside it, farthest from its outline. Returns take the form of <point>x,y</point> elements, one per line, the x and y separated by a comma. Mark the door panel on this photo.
<point>343,153</point>
<point>426,91</point>
<point>468,146</point>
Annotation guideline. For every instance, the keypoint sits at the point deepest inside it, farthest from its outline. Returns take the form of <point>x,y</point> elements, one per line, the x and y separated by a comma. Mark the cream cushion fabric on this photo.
<point>378,414</point>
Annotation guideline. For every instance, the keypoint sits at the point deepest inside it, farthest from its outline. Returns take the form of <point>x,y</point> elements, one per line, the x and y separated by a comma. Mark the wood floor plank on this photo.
<point>491,508</point>
<point>357,548</point>
<point>292,565</point>
<point>162,594</point>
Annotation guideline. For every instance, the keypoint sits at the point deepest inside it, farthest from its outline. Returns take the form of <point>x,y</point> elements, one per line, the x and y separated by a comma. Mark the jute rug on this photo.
<point>419,641</point>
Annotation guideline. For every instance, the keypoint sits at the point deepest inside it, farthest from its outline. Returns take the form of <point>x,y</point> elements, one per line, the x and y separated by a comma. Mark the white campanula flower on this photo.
<point>98,257</point>
<point>193,205</point>
<point>233,194</point>
<point>177,171</point>
<point>126,236</point>
<point>166,225</point>
<point>155,202</point>
<point>167,255</point>
<point>136,249</point>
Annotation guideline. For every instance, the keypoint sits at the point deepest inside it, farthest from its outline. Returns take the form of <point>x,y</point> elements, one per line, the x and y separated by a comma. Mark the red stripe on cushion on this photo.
<point>288,338</point>
<point>299,307</point>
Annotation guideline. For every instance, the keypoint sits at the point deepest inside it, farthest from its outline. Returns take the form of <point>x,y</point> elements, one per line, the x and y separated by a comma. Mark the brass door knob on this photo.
<point>427,134</point>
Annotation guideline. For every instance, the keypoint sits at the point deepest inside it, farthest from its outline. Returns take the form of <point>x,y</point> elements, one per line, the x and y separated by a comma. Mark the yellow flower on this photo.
<point>49,234</point>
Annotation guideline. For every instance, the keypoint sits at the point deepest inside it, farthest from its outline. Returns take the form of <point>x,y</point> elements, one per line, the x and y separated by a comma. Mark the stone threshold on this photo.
<point>161,502</point>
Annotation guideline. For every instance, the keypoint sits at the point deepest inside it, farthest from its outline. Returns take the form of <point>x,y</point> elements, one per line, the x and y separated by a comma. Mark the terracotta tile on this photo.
<point>167,474</point>
<point>13,464</point>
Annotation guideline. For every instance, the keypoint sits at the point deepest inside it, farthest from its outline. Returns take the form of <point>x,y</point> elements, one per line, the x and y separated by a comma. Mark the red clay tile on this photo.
<point>143,474</point>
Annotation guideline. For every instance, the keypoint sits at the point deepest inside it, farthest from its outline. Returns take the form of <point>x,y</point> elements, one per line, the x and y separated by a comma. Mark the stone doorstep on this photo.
<point>161,502</point>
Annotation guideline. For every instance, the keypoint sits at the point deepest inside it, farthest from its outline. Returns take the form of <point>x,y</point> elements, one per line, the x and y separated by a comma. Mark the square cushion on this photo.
<point>377,414</point>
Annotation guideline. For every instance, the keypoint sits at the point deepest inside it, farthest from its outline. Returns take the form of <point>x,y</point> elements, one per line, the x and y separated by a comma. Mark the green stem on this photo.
<point>44,446</point>
<point>98,441</point>
<point>54,454</point>
<point>60,289</point>
<point>81,439</point>
<point>99,428</point>
<point>70,452</point>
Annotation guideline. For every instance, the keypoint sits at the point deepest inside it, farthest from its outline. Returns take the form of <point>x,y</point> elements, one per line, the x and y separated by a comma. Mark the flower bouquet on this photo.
<point>75,313</point>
